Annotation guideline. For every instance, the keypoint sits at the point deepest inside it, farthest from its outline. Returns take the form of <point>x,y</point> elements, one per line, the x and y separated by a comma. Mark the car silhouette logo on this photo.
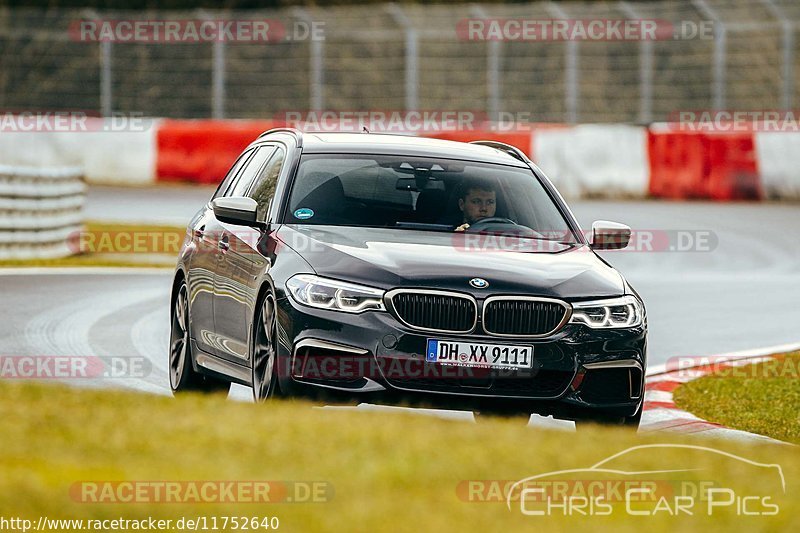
<point>604,467</point>
<point>479,283</point>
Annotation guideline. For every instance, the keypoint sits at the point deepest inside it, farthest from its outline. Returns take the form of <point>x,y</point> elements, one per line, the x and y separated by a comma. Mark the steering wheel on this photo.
<point>490,220</point>
<point>518,230</point>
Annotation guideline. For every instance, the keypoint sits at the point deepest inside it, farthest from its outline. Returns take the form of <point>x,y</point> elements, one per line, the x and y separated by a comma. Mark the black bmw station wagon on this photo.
<point>397,269</point>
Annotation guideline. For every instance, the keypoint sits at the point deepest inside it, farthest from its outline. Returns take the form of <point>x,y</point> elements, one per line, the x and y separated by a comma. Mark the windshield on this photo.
<point>413,193</point>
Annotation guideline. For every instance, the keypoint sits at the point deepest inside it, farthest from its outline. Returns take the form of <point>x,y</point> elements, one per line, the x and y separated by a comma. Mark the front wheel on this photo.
<point>265,352</point>
<point>182,375</point>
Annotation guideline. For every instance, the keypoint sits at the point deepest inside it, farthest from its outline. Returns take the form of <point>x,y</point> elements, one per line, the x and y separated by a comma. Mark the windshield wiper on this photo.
<point>423,226</point>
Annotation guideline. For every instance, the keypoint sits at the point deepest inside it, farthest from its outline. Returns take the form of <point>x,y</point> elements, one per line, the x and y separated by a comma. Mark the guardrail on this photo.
<point>41,211</point>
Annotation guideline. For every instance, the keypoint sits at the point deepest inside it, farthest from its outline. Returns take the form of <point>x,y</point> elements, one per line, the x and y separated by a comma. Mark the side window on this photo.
<point>242,183</point>
<point>264,188</point>
<point>232,173</point>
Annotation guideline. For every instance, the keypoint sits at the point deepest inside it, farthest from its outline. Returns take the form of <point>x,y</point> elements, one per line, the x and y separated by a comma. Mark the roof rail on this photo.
<point>293,131</point>
<point>513,151</point>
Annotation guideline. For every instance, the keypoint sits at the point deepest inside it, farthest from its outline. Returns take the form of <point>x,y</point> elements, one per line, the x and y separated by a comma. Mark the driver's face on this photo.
<point>478,204</point>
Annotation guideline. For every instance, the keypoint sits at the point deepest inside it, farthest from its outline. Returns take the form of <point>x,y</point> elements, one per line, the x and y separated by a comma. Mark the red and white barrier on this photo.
<point>202,151</point>
<point>702,165</point>
<point>590,160</point>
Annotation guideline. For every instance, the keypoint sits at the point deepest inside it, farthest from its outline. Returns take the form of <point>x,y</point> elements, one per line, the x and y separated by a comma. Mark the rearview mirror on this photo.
<point>240,211</point>
<point>607,235</point>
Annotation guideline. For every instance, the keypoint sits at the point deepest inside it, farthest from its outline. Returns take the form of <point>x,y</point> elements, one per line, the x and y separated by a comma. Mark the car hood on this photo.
<point>390,258</point>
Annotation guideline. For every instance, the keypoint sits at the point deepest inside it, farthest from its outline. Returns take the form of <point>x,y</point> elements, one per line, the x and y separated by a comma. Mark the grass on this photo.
<point>762,398</point>
<point>117,245</point>
<point>386,471</point>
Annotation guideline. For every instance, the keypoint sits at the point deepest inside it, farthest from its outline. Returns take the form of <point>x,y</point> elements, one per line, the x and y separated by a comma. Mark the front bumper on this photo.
<point>577,372</point>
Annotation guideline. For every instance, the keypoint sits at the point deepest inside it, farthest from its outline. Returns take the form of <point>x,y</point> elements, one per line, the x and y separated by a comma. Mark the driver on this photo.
<point>477,200</point>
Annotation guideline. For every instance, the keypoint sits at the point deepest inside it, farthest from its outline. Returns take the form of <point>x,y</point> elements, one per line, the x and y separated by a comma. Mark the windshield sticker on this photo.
<point>304,213</point>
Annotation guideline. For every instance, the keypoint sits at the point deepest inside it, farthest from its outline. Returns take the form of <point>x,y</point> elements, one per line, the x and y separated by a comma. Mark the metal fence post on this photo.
<point>719,70</point>
<point>4,24</point>
<point>316,65</point>
<point>645,69</point>
<point>106,68</point>
<point>412,69</point>
<point>493,80</point>
<point>411,57</point>
<point>571,70</point>
<point>787,53</point>
<point>788,64</point>
<point>106,104</point>
<point>218,85</point>
<point>217,71</point>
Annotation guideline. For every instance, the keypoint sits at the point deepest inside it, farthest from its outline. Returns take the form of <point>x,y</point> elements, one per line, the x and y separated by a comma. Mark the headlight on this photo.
<point>336,295</point>
<point>624,312</point>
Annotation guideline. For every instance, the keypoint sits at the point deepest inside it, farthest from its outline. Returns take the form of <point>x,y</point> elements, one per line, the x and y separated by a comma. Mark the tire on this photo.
<point>182,375</point>
<point>632,422</point>
<point>481,417</point>
<point>265,352</point>
<point>629,422</point>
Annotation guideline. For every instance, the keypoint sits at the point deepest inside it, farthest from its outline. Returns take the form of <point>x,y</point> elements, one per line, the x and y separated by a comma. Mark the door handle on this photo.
<point>223,244</point>
<point>199,232</point>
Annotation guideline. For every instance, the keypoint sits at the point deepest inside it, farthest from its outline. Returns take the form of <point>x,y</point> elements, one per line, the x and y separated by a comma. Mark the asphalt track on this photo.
<point>737,290</point>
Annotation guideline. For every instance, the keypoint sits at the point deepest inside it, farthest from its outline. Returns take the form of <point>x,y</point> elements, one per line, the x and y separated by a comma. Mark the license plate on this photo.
<point>473,354</point>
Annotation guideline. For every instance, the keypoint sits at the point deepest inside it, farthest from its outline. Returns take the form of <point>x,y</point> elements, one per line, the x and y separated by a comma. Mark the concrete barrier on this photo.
<point>778,156</point>
<point>589,160</point>
<point>106,154</point>
<point>595,160</point>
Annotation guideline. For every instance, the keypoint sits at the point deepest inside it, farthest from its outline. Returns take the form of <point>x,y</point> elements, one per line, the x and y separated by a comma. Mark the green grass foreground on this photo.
<point>762,398</point>
<point>386,471</point>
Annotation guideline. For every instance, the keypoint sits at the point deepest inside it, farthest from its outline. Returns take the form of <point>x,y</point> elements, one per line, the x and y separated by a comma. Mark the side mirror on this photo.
<point>240,211</point>
<point>608,235</point>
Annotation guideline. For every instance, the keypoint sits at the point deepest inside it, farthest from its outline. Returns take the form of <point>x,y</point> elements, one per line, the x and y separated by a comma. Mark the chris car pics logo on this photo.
<point>690,480</point>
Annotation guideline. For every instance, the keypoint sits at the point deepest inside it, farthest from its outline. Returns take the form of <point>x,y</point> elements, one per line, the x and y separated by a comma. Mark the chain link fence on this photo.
<point>412,57</point>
